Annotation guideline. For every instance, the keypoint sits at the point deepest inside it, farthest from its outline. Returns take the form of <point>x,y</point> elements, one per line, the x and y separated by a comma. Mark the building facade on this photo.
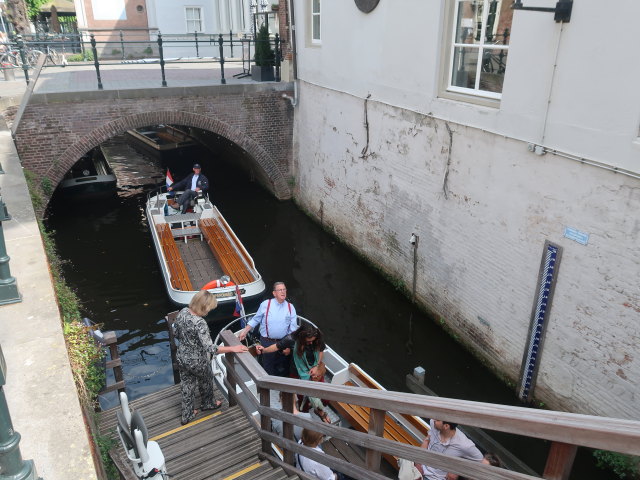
<point>486,132</point>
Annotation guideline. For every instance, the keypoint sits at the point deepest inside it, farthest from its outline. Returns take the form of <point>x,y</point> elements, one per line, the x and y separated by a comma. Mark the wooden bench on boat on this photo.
<point>231,256</point>
<point>359,417</point>
<point>177,270</point>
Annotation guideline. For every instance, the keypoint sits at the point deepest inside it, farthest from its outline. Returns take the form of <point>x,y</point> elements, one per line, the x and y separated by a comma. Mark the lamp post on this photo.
<point>253,6</point>
<point>11,464</point>
<point>8,286</point>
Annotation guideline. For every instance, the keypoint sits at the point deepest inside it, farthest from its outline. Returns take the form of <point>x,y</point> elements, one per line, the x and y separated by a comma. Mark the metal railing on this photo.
<point>566,431</point>
<point>114,48</point>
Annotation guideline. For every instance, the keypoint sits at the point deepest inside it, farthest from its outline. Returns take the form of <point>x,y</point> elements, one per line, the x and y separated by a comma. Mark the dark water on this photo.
<point>113,267</point>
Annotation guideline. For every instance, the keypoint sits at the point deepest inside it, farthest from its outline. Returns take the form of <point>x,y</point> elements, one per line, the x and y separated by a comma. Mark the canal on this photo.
<point>110,262</point>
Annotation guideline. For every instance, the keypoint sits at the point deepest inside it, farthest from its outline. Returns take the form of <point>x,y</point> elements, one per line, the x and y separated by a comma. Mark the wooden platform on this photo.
<point>201,265</point>
<point>219,445</point>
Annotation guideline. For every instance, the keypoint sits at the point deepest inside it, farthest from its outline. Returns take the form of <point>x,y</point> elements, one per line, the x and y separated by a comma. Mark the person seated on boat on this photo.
<point>307,347</point>
<point>277,425</point>
<point>195,348</point>
<point>313,440</point>
<point>488,459</point>
<point>445,437</point>
<point>277,319</point>
<point>192,184</point>
<point>491,459</point>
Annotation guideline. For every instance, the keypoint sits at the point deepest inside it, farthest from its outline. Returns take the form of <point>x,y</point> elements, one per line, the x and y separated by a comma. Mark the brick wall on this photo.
<point>56,130</point>
<point>483,207</point>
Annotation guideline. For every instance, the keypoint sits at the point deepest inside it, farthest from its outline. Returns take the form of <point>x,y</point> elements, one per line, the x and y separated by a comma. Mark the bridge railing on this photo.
<point>113,48</point>
<point>565,430</point>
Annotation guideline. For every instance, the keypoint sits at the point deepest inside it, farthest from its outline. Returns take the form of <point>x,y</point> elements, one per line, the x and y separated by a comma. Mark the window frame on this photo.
<point>313,14</point>
<point>448,90</point>
<point>187,19</point>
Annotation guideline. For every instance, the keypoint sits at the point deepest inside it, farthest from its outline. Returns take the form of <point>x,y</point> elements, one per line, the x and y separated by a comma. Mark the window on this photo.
<point>479,47</point>
<point>194,19</point>
<point>315,21</point>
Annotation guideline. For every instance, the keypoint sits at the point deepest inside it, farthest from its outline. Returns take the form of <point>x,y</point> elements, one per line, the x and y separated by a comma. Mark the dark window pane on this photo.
<point>465,61</point>
<point>494,64</point>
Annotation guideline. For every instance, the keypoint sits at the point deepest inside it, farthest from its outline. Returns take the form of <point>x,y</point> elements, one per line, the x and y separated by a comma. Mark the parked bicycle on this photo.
<point>53,57</point>
<point>10,57</point>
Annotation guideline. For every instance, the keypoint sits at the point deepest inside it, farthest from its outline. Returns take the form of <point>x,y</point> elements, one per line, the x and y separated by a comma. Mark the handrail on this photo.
<point>563,428</point>
<point>365,440</point>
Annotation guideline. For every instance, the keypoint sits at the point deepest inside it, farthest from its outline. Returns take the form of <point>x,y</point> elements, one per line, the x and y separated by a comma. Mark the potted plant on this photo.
<point>265,57</point>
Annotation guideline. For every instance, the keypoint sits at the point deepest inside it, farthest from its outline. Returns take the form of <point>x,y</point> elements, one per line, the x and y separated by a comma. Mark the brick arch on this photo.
<point>263,160</point>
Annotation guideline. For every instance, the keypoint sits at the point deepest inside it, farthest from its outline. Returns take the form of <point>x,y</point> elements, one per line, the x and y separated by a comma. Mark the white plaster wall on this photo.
<point>480,245</point>
<point>589,106</point>
<point>218,17</point>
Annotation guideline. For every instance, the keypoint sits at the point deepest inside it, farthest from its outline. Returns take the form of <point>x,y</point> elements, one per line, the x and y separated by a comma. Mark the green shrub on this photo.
<point>105,443</point>
<point>625,466</point>
<point>47,186</point>
<point>265,56</point>
<point>115,51</point>
<point>81,57</point>
<point>148,51</point>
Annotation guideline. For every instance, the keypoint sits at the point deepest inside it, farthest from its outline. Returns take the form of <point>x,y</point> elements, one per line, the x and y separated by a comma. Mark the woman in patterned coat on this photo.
<point>194,354</point>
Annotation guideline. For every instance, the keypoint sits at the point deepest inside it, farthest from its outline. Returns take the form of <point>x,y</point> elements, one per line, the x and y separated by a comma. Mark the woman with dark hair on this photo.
<point>307,346</point>
<point>194,353</point>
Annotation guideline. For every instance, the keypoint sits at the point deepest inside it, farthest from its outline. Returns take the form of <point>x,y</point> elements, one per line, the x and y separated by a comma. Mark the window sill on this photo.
<point>467,98</point>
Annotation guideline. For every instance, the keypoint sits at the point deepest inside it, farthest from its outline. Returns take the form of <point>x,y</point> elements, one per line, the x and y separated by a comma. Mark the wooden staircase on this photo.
<point>218,445</point>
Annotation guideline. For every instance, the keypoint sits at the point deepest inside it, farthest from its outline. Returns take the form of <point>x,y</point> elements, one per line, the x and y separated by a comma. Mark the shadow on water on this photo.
<point>112,265</point>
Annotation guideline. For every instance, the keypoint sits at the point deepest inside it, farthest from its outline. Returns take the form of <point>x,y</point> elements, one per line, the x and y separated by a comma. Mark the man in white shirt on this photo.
<point>277,319</point>
<point>313,440</point>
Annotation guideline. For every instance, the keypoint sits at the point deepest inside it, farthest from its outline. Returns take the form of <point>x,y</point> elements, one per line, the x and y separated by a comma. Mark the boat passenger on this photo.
<point>192,183</point>
<point>313,440</point>
<point>277,319</point>
<point>195,349</point>
<point>277,425</point>
<point>307,347</point>
<point>444,437</point>
<point>491,459</point>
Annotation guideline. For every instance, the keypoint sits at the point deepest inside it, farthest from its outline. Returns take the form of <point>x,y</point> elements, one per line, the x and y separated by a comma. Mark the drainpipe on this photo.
<point>294,55</point>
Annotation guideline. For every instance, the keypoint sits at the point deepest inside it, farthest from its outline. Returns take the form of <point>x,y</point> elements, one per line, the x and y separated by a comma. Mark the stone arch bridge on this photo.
<point>57,129</point>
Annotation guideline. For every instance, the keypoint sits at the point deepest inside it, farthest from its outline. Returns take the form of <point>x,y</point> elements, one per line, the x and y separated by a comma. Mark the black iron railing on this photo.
<point>112,48</point>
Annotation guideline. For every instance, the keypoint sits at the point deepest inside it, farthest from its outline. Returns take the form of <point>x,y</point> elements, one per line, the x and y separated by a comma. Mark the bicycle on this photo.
<point>11,57</point>
<point>52,55</point>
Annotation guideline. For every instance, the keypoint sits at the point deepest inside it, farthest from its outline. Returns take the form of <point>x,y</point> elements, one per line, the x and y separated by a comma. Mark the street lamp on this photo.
<point>11,463</point>
<point>253,6</point>
<point>8,286</point>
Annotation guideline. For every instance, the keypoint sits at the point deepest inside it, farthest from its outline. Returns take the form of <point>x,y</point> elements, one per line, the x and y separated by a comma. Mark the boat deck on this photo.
<point>201,264</point>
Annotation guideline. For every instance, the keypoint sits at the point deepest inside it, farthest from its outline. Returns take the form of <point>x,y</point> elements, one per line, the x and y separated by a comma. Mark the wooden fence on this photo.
<point>565,430</point>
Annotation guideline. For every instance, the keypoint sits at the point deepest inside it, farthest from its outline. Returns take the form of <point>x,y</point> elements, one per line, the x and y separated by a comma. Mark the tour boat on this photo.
<point>400,427</point>
<point>160,138</point>
<point>91,176</point>
<point>199,251</point>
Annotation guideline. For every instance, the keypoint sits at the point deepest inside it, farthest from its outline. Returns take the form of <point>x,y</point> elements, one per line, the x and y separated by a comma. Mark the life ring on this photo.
<point>217,284</point>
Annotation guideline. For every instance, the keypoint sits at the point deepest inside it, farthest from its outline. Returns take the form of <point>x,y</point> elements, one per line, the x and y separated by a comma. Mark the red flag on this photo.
<point>239,311</point>
<point>169,178</point>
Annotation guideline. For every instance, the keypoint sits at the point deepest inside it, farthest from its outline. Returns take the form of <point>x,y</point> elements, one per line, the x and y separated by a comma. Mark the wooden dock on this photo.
<point>218,445</point>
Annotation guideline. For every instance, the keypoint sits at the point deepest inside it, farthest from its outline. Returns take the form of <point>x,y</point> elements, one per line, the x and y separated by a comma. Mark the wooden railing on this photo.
<point>565,430</point>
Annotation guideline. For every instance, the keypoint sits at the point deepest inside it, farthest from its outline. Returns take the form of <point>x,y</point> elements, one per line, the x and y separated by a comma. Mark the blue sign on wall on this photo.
<point>576,235</point>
